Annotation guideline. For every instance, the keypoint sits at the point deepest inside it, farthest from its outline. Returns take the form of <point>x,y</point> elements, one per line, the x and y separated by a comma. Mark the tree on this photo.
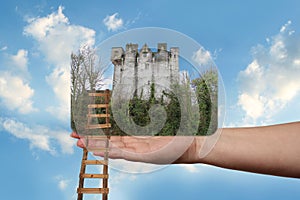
<point>206,88</point>
<point>92,68</point>
<point>86,75</point>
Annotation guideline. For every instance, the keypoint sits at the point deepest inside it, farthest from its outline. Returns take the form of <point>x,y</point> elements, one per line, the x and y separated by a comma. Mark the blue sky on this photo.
<point>255,44</point>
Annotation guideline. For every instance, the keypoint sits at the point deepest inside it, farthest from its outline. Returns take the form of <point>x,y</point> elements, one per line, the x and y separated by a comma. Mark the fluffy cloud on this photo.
<point>17,64</point>
<point>59,80</point>
<point>112,22</point>
<point>20,60</point>
<point>66,142</point>
<point>202,56</point>
<point>271,80</point>
<point>21,131</point>
<point>15,93</point>
<point>56,38</point>
<point>39,137</point>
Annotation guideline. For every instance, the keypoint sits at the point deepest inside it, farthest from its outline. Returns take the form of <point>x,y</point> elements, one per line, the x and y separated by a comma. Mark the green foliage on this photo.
<point>205,122</point>
<point>172,108</point>
<point>206,88</point>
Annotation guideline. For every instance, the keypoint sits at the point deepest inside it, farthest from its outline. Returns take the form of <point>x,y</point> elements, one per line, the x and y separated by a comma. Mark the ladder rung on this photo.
<point>95,162</point>
<point>98,115</point>
<point>93,190</point>
<point>97,137</point>
<point>94,126</point>
<point>104,176</point>
<point>97,105</point>
<point>98,94</point>
<point>97,149</point>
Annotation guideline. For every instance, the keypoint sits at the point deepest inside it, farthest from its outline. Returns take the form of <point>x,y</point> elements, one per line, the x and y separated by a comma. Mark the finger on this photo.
<point>118,150</point>
<point>94,143</point>
<point>144,144</point>
<point>85,142</point>
<point>80,143</point>
<point>131,144</point>
<point>126,154</point>
<point>74,135</point>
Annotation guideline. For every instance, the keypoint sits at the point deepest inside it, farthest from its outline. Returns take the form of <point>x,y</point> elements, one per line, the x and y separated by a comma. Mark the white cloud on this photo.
<point>202,56</point>
<point>17,64</point>
<point>56,38</point>
<point>39,137</point>
<point>41,27</point>
<point>20,60</point>
<point>3,48</point>
<point>190,168</point>
<point>66,142</point>
<point>131,21</point>
<point>62,183</point>
<point>285,26</point>
<point>271,80</point>
<point>113,22</point>
<point>252,104</point>
<point>117,178</point>
<point>15,93</point>
<point>133,167</point>
<point>21,131</point>
<point>59,80</point>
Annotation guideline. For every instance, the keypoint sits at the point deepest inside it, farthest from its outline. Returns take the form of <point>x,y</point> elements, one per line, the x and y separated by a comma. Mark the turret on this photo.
<point>131,53</point>
<point>117,55</point>
<point>145,54</point>
<point>162,53</point>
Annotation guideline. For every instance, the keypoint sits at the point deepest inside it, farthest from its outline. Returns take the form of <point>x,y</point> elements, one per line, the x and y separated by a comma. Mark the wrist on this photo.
<point>192,154</point>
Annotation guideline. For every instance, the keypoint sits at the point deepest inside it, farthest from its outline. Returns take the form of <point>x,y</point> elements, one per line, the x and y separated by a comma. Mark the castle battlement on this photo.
<point>145,54</point>
<point>138,68</point>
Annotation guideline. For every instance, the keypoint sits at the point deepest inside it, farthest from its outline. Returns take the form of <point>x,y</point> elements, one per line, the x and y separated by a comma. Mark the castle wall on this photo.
<point>136,70</point>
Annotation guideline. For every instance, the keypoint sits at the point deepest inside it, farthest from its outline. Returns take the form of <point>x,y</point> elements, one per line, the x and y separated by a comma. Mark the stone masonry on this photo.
<point>136,69</point>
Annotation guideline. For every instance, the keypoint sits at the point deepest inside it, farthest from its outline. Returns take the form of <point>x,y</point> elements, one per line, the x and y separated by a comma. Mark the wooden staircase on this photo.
<point>101,104</point>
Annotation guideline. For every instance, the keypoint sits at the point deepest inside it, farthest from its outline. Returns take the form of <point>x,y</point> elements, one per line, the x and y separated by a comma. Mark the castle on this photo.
<point>136,70</point>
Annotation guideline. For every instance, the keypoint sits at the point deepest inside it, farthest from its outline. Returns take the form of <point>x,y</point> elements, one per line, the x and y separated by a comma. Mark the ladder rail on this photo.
<point>82,171</point>
<point>104,190</point>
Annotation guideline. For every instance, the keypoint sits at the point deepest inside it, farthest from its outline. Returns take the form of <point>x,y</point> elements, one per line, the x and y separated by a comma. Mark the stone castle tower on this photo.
<point>138,69</point>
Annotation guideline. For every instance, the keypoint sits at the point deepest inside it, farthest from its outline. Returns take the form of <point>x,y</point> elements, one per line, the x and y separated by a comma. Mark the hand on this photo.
<point>155,150</point>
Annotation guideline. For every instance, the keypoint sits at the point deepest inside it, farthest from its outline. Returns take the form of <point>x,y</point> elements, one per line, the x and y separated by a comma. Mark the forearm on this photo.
<point>269,150</point>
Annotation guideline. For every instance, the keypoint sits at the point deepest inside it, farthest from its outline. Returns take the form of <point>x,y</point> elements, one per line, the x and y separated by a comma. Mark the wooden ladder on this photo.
<point>103,106</point>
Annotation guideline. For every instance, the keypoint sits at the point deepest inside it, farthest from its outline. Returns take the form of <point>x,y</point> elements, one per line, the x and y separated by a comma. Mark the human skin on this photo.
<point>273,150</point>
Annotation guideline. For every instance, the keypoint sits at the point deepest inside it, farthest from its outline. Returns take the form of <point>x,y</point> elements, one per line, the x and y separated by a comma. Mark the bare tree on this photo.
<point>87,74</point>
<point>92,68</point>
<point>76,85</point>
<point>87,71</point>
